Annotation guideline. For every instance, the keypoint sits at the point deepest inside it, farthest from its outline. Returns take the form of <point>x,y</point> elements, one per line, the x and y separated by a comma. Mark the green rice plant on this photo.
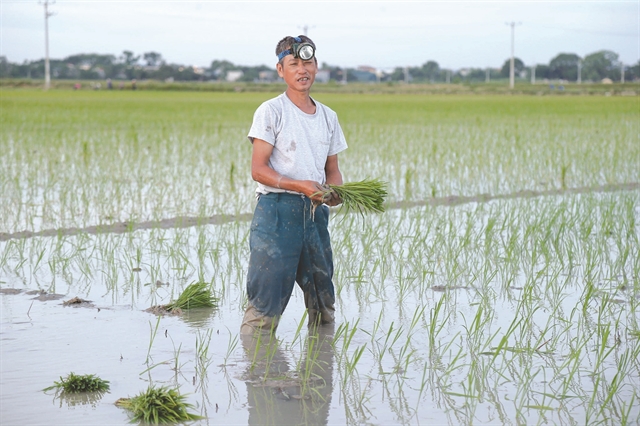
<point>74,383</point>
<point>307,366</point>
<point>231,346</point>
<point>366,196</point>
<point>196,295</point>
<point>158,405</point>
<point>154,331</point>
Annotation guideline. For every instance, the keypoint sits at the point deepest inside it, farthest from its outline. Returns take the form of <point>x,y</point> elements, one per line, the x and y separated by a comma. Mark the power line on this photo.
<point>582,30</point>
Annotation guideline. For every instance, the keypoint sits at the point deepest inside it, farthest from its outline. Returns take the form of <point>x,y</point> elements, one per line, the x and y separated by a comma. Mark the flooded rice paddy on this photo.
<point>500,287</point>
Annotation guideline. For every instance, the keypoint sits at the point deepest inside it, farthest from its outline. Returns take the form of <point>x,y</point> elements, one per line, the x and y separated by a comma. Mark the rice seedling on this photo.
<point>158,405</point>
<point>75,383</point>
<point>525,260</point>
<point>231,347</point>
<point>203,359</point>
<point>366,196</point>
<point>195,295</point>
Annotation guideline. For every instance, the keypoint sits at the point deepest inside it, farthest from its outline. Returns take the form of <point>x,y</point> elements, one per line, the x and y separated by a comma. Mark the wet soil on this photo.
<point>187,221</point>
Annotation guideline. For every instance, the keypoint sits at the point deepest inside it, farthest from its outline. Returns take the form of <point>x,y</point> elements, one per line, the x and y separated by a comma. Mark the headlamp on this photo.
<point>304,51</point>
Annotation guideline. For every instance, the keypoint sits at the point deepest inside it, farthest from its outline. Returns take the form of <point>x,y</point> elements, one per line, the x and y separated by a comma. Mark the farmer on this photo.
<point>296,141</point>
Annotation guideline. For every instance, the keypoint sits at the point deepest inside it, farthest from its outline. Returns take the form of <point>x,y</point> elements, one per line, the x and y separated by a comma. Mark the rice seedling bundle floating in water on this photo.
<point>196,295</point>
<point>365,196</point>
<point>158,405</point>
<point>74,383</point>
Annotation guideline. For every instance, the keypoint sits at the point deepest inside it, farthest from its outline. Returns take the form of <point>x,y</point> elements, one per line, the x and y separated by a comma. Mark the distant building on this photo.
<point>267,76</point>
<point>323,76</point>
<point>234,75</point>
<point>367,68</point>
<point>364,76</point>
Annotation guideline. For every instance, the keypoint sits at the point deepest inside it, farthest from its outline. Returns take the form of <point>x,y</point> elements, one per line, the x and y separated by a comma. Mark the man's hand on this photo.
<point>331,197</point>
<point>313,190</point>
<point>320,193</point>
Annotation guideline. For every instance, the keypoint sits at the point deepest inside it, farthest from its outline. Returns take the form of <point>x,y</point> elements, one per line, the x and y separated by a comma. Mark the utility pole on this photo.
<point>487,75</point>
<point>47,14</point>
<point>579,71</point>
<point>621,72</point>
<point>511,69</point>
<point>533,74</point>
<point>448,76</point>
<point>305,29</point>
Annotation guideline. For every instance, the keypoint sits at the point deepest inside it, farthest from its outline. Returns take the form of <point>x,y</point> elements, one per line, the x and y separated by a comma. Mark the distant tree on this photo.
<point>152,59</point>
<point>474,74</point>
<point>5,67</point>
<point>416,74</point>
<point>564,66</point>
<point>633,73</point>
<point>542,72</point>
<point>397,74</point>
<point>431,70</point>
<point>518,67</point>
<point>251,74</point>
<point>219,69</point>
<point>336,73</point>
<point>599,65</point>
<point>90,59</point>
<point>129,59</point>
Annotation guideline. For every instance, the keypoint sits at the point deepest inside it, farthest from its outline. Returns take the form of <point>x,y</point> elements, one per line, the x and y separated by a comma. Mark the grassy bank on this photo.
<point>495,87</point>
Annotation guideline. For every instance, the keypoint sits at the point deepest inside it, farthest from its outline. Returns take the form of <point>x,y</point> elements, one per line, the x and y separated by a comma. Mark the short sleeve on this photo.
<point>338,141</point>
<point>264,124</point>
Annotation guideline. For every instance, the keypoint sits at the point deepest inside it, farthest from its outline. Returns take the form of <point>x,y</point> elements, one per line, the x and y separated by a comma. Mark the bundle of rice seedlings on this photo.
<point>196,295</point>
<point>158,405</point>
<point>76,384</point>
<point>366,196</point>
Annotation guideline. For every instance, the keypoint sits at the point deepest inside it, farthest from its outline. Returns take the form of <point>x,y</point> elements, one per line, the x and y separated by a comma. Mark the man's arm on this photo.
<point>263,173</point>
<point>334,177</point>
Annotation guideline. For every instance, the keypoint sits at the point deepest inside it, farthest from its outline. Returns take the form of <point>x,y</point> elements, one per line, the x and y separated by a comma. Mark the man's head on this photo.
<point>297,63</point>
<point>295,46</point>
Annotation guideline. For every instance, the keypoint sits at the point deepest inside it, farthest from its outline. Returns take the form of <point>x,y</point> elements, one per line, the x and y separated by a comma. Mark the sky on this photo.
<point>381,34</point>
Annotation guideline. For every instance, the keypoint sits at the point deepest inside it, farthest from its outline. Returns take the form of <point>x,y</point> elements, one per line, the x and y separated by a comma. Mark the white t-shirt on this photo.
<point>301,142</point>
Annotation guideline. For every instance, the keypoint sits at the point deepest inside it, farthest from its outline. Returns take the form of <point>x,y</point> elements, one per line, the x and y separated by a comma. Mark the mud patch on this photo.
<point>78,302</point>
<point>43,296</point>
<point>186,221</point>
<point>10,291</point>
<point>162,310</point>
<point>442,288</point>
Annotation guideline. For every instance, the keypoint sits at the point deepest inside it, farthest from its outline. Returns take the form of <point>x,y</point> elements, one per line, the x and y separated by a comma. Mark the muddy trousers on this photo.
<point>288,244</point>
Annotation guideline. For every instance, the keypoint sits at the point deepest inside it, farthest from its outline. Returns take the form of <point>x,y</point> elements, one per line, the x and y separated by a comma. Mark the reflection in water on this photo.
<point>73,399</point>
<point>197,318</point>
<point>280,395</point>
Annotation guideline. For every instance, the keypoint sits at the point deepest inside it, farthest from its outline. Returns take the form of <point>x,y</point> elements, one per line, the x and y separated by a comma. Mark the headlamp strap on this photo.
<point>283,54</point>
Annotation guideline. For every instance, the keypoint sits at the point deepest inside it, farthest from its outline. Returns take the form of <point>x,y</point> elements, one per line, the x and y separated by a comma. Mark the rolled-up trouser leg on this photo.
<point>288,244</point>
<point>276,239</point>
<point>315,270</point>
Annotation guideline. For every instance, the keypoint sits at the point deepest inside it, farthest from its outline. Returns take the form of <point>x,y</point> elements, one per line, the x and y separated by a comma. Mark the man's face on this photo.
<point>297,73</point>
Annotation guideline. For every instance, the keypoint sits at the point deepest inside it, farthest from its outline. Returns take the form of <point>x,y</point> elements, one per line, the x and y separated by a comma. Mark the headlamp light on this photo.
<point>304,51</point>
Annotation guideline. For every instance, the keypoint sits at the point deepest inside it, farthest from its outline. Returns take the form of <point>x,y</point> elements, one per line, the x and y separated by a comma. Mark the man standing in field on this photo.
<point>296,141</point>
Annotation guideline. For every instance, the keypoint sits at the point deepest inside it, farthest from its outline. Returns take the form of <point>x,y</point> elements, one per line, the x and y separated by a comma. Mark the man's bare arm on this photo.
<point>334,177</point>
